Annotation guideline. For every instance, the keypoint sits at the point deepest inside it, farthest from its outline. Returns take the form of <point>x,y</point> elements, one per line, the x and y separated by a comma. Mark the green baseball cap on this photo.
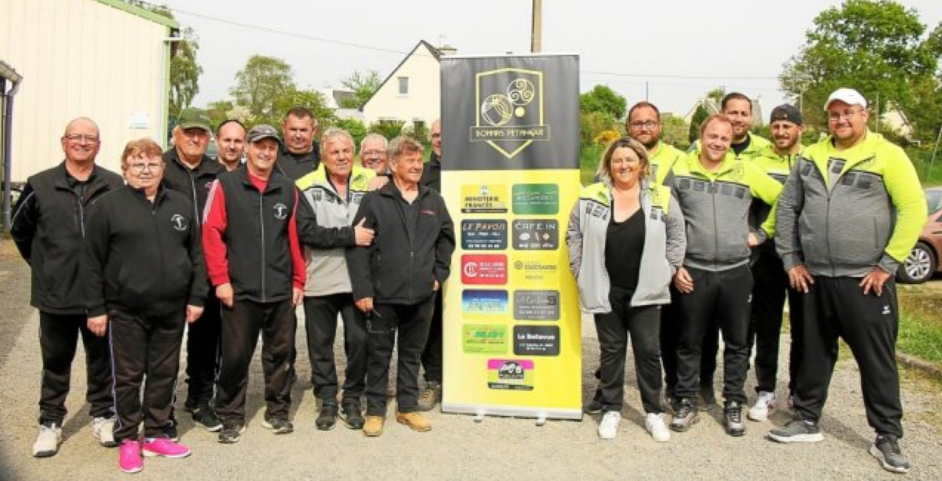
<point>193,118</point>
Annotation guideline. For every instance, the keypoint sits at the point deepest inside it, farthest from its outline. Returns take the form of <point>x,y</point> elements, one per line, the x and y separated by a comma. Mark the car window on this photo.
<point>934,200</point>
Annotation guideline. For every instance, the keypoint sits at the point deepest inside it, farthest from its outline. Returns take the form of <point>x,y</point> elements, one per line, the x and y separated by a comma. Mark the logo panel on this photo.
<point>484,234</point>
<point>510,113</point>
<point>484,269</point>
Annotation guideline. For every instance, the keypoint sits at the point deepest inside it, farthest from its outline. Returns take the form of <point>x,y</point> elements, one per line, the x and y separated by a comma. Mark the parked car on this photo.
<point>925,259</point>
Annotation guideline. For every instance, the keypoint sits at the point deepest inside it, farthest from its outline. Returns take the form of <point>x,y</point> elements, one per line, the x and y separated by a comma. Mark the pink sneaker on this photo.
<point>164,447</point>
<point>129,456</point>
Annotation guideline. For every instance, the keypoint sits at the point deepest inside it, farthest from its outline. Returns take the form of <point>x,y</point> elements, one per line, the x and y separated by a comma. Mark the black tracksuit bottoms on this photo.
<point>241,326</point>
<point>836,307</point>
<point>147,345</point>
<point>765,330</point>
<point>724,298</point>
<point>412,322</point>
<point>320,319</point>
<point>58,339</point>
<point>671,324</point>
<point>432,355</point>
<point>203,354</point>
<point>643,325</point>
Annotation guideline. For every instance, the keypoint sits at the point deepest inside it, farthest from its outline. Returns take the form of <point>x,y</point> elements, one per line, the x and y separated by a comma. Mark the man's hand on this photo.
<point>364,235</point>
<point>800,279</point>
<point>365,305</point>
<point>98,325</point>
<point>875,280</point>
<point>682,281</point>
<point>193,313</point>
<point>752,240</point>
<point>297,296</point>
<point>377,183</point>
<point>225,294</point>
<point>436,286</point>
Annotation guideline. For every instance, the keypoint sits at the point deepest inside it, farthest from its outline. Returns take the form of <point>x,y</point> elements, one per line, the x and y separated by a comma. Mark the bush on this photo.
<point>388,128</point>
<point>354,127</point>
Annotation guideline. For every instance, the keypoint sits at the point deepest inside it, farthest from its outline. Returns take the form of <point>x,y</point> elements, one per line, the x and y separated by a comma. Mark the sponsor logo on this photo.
<point>484,198</point>
<point>484,234</point>
<point>484,269</point>
<point>536,340</point>
<point>536,234</point>
<point>536,305</point>
<point>485,339</point>
<point>483,303</point>
<point>535,199</point>
<point>512,374</point>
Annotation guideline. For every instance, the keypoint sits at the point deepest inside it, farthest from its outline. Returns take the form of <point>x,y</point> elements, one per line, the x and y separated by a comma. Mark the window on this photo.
<point>403,85</point>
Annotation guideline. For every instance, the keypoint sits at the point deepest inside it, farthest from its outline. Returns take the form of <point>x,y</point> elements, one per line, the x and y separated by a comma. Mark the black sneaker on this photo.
<point>595,405</point>
<point>231,434</point>
<point>170,430</point>
<point>733,422</point>
<point>886,449</point>
<point>278,425</point>
<point>327,419</point>
<point>206,417</point>
<point>351,415</point>
<point>191,406</point>
<point>797,431</point>
<point>685,417</point>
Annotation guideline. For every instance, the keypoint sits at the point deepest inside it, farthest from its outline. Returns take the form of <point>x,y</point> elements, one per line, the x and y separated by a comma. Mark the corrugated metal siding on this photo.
<point>80,58</point>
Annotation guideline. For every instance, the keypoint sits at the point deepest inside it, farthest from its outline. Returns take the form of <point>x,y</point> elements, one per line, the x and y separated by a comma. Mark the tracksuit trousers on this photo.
<point>320,315</point>
<point>722,297</point>
<point>203,354</point>
<point>643,325</point>
<point>58,339</point>
<point>241,326</point>
<point>432,355</point>
<point>412,323</point>
<point>144,346</point>
<point>671,324</point>
<point>834,308</point>
<point>765,330</point>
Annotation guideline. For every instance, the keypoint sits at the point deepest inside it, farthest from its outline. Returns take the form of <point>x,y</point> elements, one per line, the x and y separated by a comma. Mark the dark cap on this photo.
<point>262,131</point>
<point>787,112</point>
<point>192,118</point>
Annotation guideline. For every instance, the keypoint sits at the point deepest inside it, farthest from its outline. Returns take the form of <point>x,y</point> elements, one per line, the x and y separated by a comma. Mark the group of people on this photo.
<point>669,249</point>
<point>673,248</point>
<point>226,250</point>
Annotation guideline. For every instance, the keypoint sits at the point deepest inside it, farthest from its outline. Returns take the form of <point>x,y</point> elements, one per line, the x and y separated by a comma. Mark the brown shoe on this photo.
<point>373,426</point>
<point>415,421</point>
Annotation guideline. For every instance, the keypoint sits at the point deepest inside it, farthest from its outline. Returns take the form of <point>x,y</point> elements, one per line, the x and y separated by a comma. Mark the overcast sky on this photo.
<point>677,50</point>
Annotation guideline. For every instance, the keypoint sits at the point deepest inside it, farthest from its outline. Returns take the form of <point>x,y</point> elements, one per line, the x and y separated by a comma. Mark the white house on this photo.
<point>102,59</point>
<point>412,92</point>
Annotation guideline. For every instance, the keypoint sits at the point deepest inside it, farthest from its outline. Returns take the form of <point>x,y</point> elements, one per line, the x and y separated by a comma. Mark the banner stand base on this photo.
<point>540,414</point>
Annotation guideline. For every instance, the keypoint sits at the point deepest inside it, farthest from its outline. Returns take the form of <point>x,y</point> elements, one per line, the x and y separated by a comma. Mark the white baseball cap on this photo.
<point>848,96</point>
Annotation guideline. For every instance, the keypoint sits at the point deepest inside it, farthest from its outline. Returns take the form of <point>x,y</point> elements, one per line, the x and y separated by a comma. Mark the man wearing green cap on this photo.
<point>191,172</point>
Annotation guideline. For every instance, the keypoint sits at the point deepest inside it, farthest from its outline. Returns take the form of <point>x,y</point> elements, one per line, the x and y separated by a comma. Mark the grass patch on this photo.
<point>920,328</point>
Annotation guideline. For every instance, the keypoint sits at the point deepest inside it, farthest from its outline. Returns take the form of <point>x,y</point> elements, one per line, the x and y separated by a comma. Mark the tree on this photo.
<point>354,127</point>
<point>218,112</point>
<point>698,117</point>
<point>363,85</point>
<point>674,131</point>
<point>602,99</point>
<point>261,84</point>
<point>294,97</point>
<point>874,46</point>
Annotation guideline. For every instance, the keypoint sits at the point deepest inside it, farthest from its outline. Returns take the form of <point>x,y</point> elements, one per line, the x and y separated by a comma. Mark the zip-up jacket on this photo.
<point>250,236</point>
<point>663,159</point>
<point>664,244</point>
<point>296,166</point>
<point>404,261</point>
<point>778,167</point>
<point>195,183</point>
<point>48,227</point>
<point>432,173</point>
<point>325,228</point>
<point>871,216</point>
<point>143,257</point>
<point>716,209</point>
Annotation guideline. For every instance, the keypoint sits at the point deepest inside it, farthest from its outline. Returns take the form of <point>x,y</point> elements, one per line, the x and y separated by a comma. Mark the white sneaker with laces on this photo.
<point>103,429</point>
<point>47,443</point>
<point>654,424</point>
<point>608,428</point>
<point>763,407</point>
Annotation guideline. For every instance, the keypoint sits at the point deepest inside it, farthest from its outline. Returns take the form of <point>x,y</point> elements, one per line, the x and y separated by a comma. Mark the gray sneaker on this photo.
<point>430,396</point>
<point>47,443</point>
<point>103,429</point>
<point>685,417</point>
<point>797,431</point>
<point>732,417</point>
<point>886,449</point>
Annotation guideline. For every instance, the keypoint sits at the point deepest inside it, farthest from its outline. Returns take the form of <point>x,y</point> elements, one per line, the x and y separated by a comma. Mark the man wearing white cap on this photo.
<point>849,215</point>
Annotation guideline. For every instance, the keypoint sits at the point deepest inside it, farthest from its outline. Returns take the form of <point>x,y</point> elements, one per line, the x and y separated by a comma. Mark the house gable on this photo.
<point>422,100</point>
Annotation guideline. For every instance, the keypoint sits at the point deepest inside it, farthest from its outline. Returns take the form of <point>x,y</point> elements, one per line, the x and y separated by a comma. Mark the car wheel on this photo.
<point>919,266</point>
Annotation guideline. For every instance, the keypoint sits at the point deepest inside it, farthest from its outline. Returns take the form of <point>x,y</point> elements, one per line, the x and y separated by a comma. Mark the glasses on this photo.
<point>638,125</point>
<point>141,167</point>
<point>372,154</point>
<point>91,139</point>
<point>847,114</point>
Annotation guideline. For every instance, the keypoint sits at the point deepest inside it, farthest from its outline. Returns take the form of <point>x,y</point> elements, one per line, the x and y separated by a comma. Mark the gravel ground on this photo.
<point>457,448</point>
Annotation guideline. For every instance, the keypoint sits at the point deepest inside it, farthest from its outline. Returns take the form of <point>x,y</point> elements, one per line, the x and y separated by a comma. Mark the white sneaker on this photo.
<point>608,428</point>
<point>654,424</point>
<point>103,429</point>
<point>47,443</point>
<point>763,407</point>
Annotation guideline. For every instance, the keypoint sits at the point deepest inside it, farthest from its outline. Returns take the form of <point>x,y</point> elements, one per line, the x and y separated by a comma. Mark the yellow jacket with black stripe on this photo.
<point>844,212</point>
<point>663,159</point>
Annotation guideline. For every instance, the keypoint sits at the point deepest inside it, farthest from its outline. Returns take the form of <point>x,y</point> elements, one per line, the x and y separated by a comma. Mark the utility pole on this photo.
<point>646,91</point>
<point>536,40</point>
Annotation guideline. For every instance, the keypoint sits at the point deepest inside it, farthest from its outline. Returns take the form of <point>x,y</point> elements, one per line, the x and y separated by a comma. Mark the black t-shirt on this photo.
<point>624,242</point>
<point>739,148</point>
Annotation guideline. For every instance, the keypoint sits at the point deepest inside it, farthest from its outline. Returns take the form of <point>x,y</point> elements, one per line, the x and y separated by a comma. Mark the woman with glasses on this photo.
<point>145,278</point>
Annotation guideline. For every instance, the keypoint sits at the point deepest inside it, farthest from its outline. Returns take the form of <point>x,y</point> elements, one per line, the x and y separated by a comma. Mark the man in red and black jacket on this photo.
<point>254,260</point>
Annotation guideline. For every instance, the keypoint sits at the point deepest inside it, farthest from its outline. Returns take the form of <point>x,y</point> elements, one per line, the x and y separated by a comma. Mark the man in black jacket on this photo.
<point>191,172</point>
<point>432,355</point>
<point>48,227</point>
<point>395,281</point>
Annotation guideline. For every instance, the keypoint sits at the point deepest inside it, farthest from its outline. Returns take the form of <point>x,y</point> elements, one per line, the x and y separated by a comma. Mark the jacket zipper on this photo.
<point>261,222</point>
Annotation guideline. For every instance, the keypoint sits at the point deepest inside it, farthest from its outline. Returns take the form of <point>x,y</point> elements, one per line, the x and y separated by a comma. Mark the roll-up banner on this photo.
<point>510,176</point>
